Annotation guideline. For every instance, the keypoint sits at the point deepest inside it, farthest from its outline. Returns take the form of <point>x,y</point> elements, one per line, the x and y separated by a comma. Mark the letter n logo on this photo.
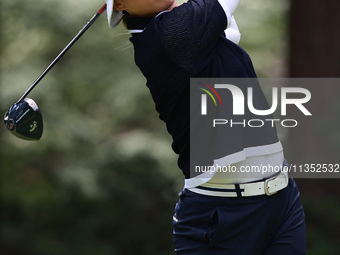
<point>204,98</point>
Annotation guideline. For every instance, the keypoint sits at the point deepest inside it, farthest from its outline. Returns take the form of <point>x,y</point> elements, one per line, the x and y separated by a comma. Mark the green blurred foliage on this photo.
<point>103,179</point>
<point>264,35</point>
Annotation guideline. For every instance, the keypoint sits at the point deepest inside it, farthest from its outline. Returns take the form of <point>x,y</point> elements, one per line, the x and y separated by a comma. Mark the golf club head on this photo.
<point>24,120</point>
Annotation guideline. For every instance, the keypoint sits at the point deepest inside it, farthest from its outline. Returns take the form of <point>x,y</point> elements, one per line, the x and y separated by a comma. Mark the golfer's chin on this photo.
<point>154,8</point>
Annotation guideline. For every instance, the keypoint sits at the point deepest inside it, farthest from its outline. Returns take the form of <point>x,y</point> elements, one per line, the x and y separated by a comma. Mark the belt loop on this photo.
<point>238,190</point>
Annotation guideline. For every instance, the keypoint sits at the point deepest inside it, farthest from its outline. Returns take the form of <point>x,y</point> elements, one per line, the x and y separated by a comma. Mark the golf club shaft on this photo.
<point>68,46</point>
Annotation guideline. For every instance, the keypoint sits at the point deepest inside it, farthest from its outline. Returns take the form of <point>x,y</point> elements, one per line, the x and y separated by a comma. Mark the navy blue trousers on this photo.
<point>258,225</point>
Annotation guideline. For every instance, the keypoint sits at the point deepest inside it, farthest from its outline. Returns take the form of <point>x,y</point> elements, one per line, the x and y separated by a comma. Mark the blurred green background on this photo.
<point>103,179</point>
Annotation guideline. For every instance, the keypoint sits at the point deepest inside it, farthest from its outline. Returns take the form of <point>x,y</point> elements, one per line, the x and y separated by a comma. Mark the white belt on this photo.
<point>267,187</point>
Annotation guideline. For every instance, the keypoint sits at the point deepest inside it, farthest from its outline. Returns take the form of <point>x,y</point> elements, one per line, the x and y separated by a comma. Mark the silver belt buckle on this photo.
<point>266,188</point>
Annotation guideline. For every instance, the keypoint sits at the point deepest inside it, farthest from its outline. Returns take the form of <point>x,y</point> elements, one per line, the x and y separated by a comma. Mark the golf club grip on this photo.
<point>68,46</point>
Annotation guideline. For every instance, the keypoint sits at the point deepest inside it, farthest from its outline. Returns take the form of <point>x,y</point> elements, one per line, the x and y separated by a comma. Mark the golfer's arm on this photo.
<point>229,7</point>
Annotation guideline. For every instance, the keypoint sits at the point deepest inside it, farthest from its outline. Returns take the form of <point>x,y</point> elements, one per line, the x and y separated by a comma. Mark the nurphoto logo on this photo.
<point>240,101</point>
<point>232,119</point>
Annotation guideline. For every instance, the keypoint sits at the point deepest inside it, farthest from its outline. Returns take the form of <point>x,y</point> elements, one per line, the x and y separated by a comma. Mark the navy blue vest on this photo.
<point>189,42</point>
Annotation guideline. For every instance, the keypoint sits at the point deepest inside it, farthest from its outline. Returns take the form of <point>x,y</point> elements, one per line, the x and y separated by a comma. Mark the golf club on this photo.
<point>23,119</point>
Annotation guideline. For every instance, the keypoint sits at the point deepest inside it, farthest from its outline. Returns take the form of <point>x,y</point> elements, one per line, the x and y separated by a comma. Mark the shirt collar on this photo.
<point>137,25</point>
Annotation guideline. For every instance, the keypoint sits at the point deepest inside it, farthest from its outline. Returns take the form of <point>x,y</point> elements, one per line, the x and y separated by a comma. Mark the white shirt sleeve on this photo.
<point>232,32</point>
<point>229,7</point>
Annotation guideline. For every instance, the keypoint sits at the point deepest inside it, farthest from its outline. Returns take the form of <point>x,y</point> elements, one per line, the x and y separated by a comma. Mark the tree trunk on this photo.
<point>315,52</point>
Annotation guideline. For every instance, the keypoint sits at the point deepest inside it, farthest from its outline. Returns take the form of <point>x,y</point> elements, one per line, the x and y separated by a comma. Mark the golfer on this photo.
<point>231,212</point>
